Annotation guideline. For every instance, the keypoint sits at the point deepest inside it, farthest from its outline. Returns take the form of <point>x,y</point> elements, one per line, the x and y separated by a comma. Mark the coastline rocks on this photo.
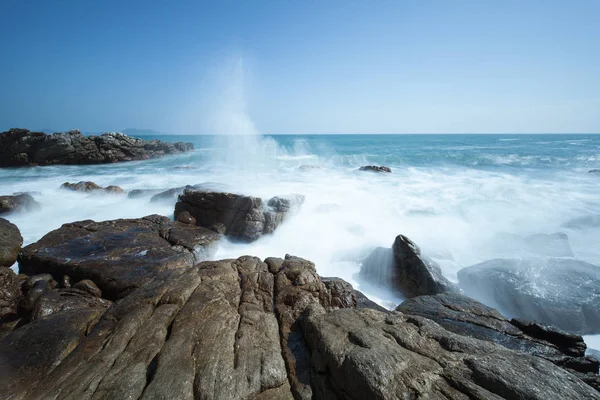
<point>242,217</point>
<point>10,243</point>
<point>10,294</point>
<point>20,202</point>
<point>250,329</point>
<point>87,186</point>
<point>405,270</point>
<point>118,255</point>
<point>375,168</point>
<point>561,292</point>
<point>20,147</point>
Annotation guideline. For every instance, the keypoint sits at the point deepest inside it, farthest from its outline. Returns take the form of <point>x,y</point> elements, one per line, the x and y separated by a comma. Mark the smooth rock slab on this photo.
<point>118,255</point>
<point>561,292</point>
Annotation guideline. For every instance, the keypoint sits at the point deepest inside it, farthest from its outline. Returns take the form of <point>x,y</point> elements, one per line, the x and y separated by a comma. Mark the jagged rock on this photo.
<point>10,294</point>
<point>366,354</point>
<point>403,269</point>
<point>375,168</point>
<point>118,255</point>
<point>10,243</point>
<point>87,186</point>
<point>247,329</point>
<point>561,292</point>
<point>242,217</point>
<point>20,147</point>
<point>21,202</point>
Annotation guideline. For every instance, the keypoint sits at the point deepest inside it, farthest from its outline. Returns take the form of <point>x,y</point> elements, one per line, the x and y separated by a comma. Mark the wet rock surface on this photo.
<point>21,147</point>
<point>10,243</point>
<point>551,245</point>
<point>273,329</point>
<point>88,186</point>
<point>19,202</point>
<point>561,292</point>
<point>375,168</point>
<point>242,217</point>
<point>404,269</point>
<point>118,255</point>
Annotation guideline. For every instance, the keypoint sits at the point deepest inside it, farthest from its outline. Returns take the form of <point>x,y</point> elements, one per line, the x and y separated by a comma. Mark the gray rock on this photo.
<point>118,255</point>
<point>10,243</point>
<point>404,270</point>
<point>21,202</point>
<point>20,147</point>
<point>242,217</point>
<point>375,168</point>
<point>561,292</point>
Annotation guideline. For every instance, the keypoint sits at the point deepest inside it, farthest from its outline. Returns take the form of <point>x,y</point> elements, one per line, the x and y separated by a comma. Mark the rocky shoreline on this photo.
<point>134,309</point>
<point>21,147</point>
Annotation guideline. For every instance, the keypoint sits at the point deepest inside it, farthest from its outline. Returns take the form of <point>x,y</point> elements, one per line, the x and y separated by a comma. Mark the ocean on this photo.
<point>451,194</point>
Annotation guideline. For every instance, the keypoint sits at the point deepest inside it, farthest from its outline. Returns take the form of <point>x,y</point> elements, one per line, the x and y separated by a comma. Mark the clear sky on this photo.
<point>283,66</point>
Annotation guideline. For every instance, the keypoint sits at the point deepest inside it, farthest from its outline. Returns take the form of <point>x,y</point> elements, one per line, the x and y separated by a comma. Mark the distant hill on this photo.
<point>137,132</point>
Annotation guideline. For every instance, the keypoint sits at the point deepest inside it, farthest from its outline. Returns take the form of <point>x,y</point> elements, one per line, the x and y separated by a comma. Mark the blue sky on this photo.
<point>301,66</point>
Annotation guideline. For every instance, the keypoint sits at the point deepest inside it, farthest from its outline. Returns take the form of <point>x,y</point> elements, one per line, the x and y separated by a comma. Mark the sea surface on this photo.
<point>451,194</point>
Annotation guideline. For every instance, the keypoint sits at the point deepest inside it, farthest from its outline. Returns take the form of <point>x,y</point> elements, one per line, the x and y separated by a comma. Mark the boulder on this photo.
<point>242,217</point>
<point>87,186</point>
<point>118,255</point>
<point>375,168</point>
<point>247,329</point>
<point>561,292</point>
<point>404,270</point>
<point>20,147</point>
<point>186,218</point>
<point>10,243</point>
<point>21,202</point>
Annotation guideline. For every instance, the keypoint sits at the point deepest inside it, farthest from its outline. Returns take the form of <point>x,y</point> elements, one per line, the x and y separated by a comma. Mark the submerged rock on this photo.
<point>375,168</point>
<point>10,243</point>
<point>551,245</point>
<point>586,222</point>
<point>243,217</point>
<point>561,292</point>
<point>403,269</point>
<point>20,147</point>
<point>118,255</point>
<point>21,202</point>
<point>87,186</point>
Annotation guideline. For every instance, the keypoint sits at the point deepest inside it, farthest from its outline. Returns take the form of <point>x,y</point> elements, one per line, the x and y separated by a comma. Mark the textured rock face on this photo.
<point>404,269</point>
<point>561,292</point>
<point>272,329</point>
<point>242,217</point>
<point>20,147</point>
<point>375,168</point>
<point>87,186</point>
<point>10,243</point>
<point>19,202</point>
<point>10,294</point>
<point>117,255</point>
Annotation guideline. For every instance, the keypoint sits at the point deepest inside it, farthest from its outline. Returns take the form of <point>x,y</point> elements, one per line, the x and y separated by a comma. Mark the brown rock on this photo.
<point>88,286</point>
<point>10,243</point>
<point>186,218</point>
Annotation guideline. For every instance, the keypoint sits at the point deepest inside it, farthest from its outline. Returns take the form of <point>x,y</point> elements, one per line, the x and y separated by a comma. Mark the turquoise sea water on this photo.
<point>452,194</point>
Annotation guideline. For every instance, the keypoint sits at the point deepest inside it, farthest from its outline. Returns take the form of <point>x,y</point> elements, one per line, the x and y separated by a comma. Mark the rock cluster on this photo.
<point>243,217</point>
<point>88,186</point>
<point>20,147</point>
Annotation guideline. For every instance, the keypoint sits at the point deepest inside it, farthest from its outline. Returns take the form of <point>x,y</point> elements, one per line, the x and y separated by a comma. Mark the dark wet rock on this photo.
<point>10,294</point>
<point>87,186</point>
<point>20,147</point>
<point>561,292</point>
<point>21,202</point>
<point>88,286</point>
<point>10,243</point>
<point>171,195</point>
<point>585,222</point>
<point>242,217</point>
<point>375,168</point>
<point>405,270</point>
<point>551,245</point>
<point>53,301</point>
<point>186,218</point>
<point>118,255</point>
<point>248,329</point>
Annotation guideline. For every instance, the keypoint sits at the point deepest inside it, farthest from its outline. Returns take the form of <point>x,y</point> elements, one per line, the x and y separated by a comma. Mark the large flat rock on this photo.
<point>118,255</point>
